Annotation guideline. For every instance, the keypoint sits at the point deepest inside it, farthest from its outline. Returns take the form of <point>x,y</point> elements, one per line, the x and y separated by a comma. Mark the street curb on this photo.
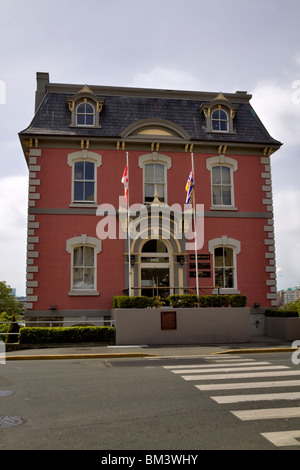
<point>261,350</point>
<point>76,356</point>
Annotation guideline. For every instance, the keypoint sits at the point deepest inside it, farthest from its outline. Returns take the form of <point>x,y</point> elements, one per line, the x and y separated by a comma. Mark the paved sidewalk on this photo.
<point>93,351</point>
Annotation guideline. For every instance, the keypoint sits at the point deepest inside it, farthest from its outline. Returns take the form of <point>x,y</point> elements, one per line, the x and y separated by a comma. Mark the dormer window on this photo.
<point>85,108</point>
<point>219,114</point>
<point>219,120</point>
<point>85,114</point>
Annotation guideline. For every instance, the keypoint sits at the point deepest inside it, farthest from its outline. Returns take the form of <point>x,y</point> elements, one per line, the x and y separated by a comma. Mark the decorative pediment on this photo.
<point>155,128</point>
<point>85,95</point>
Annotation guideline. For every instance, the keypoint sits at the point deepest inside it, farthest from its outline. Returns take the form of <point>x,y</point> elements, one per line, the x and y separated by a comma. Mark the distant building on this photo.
<point>76,148</point>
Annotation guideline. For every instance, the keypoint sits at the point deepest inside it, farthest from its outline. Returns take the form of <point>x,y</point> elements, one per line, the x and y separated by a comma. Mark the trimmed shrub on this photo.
<point>72,334</point>
<point>183,301</point>
<point>214,301</point>
<point>238,300</point>
<point>124,301</point>
<point>272,312</point>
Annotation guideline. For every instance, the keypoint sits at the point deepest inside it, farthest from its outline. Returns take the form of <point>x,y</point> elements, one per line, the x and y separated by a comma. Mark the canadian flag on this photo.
<point>124,180</point>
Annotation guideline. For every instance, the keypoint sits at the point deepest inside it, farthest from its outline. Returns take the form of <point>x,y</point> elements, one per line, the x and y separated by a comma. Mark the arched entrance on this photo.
<point>155,268</point>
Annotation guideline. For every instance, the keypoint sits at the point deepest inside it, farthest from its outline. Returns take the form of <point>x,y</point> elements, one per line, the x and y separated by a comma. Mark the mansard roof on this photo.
<point>123,109</point>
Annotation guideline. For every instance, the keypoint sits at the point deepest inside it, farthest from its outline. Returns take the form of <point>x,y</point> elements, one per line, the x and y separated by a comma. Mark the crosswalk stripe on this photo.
<point>269,413</point>
<point>207,366</point>
<point>256,397</point>
<point>243,375</point>
<point>283,438</point>
<point>243,385</point>
<point>228,369</point>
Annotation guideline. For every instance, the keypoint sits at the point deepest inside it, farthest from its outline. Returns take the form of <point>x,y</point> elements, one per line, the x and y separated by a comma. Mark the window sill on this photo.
<point>83,292</point>
<point>223,290</point>
<point>83,204</point>
<point>223,208</point>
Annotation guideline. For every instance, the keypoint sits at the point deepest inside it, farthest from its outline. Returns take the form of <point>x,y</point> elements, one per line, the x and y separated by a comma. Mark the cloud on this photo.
<point>166,78</point>
<point>278,107</point>
<point>13,214</point>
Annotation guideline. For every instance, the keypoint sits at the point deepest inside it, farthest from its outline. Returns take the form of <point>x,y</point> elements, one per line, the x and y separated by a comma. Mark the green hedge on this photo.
<point>272,312</point>
<point>73,334</point>
<point>181,301</point>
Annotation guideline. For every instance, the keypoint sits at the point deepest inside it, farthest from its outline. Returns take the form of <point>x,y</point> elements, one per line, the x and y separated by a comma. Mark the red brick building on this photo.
<point>77,147</point>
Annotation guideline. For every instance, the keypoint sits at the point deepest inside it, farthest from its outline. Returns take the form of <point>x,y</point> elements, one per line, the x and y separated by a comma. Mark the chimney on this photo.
<point>42,80</point>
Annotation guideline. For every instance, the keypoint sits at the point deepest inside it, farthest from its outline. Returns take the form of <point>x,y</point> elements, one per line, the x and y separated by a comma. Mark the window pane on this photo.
<point>226,195</point>
<point>217,200</point>
<point>225,175</point>
<point>89,109</point>
<point>81,108</point>
<point>88,278</point>
<point>89,120</point>
<point>159,173</point>
<point>228,255</point>
<point>78,256</point>
<point>216,125</point>
<point>78,278</point>
<point>223,125</point>
<point>216,114</point>
<point>216,175</point>
<point>219,256</point>
<point>78,191</point>
<point>89,170</point>
<point>79,170</point>
<point>149,173</point>
<point>89,192</point>
<point>149,192</point>
<point>219,277</point>
<point>88,256</point>
<point>229,278</point>
<point>222,115</point>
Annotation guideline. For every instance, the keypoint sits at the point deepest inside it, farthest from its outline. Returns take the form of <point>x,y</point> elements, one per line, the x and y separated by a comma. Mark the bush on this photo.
<point>124,301</point>
<point>272,312</point>
<point>216,301</point>
<point>183,301</point>
<point>238,300</point>
<point>72,334</point>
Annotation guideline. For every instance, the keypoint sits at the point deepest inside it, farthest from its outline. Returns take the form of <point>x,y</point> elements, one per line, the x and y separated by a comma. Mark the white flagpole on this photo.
<point>195,226</point>
<point>128,229</point>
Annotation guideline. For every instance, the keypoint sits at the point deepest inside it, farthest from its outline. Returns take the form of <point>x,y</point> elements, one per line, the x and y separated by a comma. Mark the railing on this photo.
<point>157,290</point>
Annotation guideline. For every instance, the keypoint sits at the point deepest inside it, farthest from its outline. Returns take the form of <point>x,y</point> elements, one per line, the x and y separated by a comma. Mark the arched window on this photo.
<point>225,251</point>
<point>85,114</point>
<point>219,119</point>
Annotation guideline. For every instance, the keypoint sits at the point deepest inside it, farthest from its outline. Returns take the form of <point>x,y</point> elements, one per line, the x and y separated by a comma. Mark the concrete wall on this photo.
<point>283,328</point>
<point>193,326</point>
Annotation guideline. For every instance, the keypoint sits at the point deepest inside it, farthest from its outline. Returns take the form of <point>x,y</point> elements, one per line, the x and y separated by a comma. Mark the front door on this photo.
<point>155,281</point>
<point>155,269</point>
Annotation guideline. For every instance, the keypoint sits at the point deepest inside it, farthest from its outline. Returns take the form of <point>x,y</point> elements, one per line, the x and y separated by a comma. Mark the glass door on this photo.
<point>155,281</point>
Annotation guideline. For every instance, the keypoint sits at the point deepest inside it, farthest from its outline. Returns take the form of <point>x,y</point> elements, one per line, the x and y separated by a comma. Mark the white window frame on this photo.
<point>84,155</point>
<point>155,157</point>
<point>71,245</point>
<point>219,120</point>
<point>230,163</point>
<point>85,102</point>
<point>235,246</point>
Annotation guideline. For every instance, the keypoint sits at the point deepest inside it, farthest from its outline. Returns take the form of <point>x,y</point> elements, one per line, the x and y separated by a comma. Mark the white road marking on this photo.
<point>283,438</point>
<point>257,397</point>
<point>269,413</point>
<point>245,385</point>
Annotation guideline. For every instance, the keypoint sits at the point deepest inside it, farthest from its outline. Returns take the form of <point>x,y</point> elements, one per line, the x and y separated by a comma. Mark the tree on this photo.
<point>8,303</point>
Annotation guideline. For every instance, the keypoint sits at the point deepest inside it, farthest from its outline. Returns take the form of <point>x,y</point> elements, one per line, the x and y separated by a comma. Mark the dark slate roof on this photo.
<point>121,110</point>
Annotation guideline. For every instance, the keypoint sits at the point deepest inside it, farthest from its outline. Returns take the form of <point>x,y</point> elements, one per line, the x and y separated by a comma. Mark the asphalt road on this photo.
<point>140,404</point>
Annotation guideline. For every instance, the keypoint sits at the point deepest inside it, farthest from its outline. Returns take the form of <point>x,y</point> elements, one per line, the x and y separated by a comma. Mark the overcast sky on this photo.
<point>175,44</point>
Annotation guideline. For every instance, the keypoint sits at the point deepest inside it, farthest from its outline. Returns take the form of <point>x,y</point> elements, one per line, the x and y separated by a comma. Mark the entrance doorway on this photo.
<point>155,269</point>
